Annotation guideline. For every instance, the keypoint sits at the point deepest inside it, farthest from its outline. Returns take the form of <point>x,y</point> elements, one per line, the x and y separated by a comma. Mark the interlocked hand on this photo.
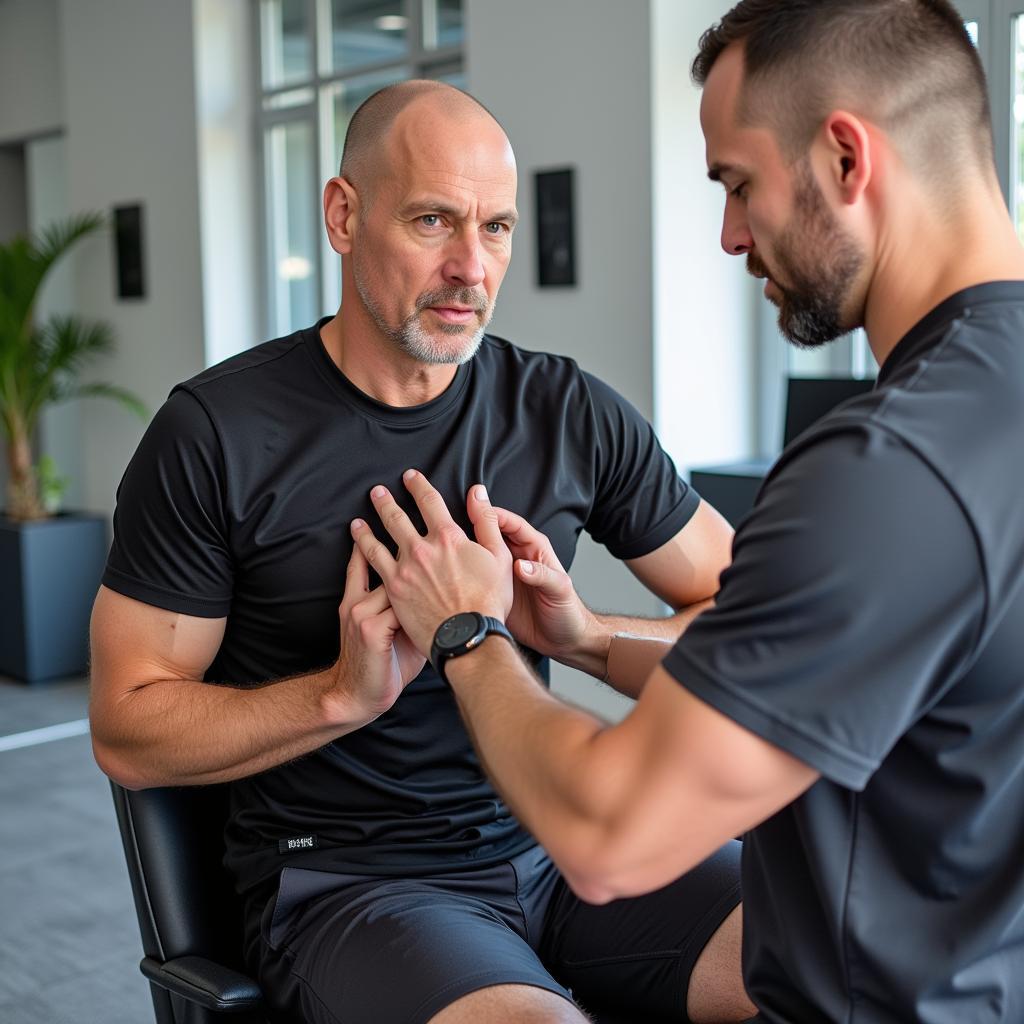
<point>443,573</point>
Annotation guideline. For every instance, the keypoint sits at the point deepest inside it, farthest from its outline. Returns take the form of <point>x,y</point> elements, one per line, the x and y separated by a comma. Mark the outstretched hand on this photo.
<point>547,613</point>
<point>443,573</point>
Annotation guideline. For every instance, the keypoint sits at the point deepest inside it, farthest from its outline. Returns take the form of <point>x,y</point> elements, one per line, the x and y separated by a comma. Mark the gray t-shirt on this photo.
<point>872,625</point>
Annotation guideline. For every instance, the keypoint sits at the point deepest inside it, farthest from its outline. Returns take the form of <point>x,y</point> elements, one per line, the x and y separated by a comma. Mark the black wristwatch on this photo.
<point>460,634</point>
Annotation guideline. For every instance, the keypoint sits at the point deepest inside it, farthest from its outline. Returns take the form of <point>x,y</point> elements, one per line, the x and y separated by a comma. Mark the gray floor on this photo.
<point>69,943</point>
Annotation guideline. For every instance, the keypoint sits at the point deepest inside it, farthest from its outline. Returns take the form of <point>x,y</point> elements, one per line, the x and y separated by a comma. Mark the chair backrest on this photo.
<point>185,899</point>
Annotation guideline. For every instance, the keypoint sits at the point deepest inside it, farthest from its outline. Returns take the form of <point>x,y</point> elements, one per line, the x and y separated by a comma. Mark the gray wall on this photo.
<point>130,113</point>
<point>31,90</point>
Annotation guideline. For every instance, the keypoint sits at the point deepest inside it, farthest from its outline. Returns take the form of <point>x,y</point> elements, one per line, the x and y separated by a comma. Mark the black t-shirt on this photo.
<point>872,625</point>
<point>238,503</point>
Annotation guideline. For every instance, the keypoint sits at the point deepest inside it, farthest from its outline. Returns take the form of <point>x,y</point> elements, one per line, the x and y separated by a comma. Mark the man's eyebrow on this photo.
<point>509,215</point>
<point>430,206</point>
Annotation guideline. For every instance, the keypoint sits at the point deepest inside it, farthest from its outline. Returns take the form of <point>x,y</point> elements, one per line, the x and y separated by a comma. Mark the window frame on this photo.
<point>416,61</point>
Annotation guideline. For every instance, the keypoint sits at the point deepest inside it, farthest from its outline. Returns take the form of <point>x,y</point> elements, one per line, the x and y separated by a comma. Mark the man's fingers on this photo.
<point>541,577</point>
<point>429,501</point>
<point>514,526</point>
<point>392,518</point>
<point>377,632</point>
<point>526,539</point>
<point>373,551</point>
<point>357,575</point>
<point>485,521</point>
<point>377,628</point>
<point>375,602</point>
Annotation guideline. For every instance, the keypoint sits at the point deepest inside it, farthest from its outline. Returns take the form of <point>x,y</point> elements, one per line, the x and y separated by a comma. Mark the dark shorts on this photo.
<point>353,949</point>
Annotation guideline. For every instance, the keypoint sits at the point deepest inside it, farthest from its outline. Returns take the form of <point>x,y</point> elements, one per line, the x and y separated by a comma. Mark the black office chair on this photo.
<point>189,915</point>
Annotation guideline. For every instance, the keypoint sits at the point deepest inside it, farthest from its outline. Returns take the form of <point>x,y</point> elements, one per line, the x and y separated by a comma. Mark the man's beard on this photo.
<point>414,340</point>
<point>819,263</point>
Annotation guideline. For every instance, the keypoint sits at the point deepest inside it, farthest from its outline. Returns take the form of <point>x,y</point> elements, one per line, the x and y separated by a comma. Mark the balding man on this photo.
<point>385,881</point>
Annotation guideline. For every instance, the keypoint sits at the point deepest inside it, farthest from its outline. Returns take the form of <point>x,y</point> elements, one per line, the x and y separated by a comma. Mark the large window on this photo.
<point>319,59</point>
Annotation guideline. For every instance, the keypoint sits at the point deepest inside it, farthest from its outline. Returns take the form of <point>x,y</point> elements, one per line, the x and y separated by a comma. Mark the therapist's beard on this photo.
<point>819,263</point>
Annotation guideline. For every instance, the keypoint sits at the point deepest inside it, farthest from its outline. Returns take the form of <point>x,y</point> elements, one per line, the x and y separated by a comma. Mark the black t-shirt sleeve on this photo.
<point>855,597</point>
<point>170,548</point>
<point>640,500</point>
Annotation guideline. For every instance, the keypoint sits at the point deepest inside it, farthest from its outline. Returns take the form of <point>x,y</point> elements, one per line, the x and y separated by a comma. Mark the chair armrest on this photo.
<point>204,982</point>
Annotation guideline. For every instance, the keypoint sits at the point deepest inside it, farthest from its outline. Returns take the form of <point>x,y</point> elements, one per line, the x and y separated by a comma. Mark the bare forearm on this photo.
<point>566,789</point>
<point>185,732</point>
<point>626,667</point>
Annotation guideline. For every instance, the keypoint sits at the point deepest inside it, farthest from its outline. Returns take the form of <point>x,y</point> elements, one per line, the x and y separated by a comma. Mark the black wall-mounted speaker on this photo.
<point>556,246</point>
<point>128,245</point>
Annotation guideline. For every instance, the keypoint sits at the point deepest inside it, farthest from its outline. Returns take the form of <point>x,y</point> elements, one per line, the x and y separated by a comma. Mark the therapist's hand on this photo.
<point>547,613</point>
<point>443,573</point>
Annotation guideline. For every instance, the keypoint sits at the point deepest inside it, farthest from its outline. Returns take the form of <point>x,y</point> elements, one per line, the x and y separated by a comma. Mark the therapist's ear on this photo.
<point>848,152</point>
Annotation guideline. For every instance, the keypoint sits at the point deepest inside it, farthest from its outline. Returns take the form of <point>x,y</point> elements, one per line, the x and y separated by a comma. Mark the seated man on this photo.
<point>384,879</point>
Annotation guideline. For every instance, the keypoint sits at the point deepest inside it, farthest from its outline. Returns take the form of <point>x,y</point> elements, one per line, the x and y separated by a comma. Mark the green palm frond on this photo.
<point>56,355</point>
<point>24,264</point>
<point>55,239</point>
<point>19,284</point>
<point>41,364</point>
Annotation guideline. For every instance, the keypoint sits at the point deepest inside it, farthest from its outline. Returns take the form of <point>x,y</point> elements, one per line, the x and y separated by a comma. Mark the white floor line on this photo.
<point>34,737</point>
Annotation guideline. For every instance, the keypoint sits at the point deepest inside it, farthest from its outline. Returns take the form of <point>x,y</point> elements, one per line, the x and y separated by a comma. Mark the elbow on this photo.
<point>595,869</point>
<point>117,768</point>
<point>597,882</point>
<point>589,887</point>
<point>622,861</point>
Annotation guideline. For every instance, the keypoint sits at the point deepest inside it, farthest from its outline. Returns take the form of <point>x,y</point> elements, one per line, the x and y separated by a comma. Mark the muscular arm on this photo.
<point>156,723</point>
<point>622,809</point>
<point>684,572</point>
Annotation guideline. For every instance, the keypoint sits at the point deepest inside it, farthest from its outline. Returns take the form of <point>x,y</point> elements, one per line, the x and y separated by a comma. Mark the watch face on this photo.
<point>458,630</point>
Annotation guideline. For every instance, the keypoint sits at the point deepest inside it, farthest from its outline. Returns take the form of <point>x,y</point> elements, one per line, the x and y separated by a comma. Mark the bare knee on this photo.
<point>716,994</point>
<point>499,1004</point>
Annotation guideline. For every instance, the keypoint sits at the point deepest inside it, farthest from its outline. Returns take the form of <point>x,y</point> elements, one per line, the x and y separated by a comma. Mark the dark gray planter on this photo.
<point>49,573</point>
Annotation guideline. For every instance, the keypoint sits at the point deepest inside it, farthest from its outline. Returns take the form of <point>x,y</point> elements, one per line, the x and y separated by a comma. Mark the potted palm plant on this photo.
<point>49,564</point>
